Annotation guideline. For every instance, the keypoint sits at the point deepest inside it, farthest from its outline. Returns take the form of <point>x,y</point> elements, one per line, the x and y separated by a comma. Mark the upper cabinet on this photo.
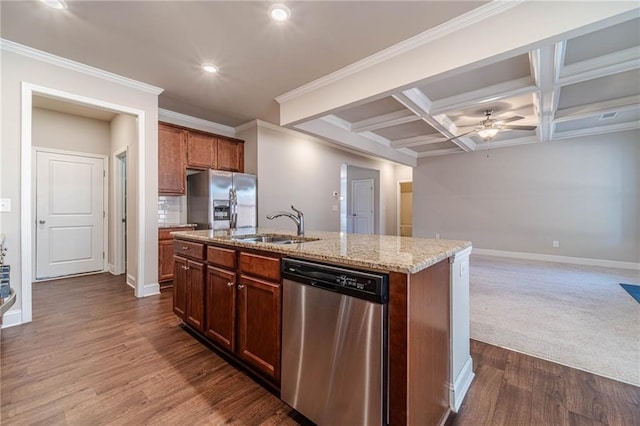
<point>180,148</point>
<point>230,155</point>
<point>171,160</point>
<point>202,151</point>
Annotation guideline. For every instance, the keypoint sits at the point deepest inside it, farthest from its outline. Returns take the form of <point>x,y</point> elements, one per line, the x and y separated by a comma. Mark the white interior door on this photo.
<point>362,206</point>
<point>69,214</point>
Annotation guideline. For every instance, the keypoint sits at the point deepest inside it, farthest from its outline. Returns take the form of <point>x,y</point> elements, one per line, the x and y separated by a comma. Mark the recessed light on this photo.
<point>56,4</point>
<point>210,68</point>
<point>279,12</point>
<point>608,115</point>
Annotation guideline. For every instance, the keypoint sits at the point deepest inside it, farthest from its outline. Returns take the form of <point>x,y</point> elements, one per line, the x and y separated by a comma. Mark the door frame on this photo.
<point>105,203</point>
<point>26,188</point>
<point>119,251</point>
<point>399,203</point>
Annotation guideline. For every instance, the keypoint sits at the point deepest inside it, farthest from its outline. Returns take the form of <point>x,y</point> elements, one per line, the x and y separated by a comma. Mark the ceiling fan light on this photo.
<point>488,133</point>
<point>279,12</point>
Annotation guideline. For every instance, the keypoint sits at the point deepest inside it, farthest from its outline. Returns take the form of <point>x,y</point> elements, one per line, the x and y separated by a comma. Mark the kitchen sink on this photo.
<point>273,239</point>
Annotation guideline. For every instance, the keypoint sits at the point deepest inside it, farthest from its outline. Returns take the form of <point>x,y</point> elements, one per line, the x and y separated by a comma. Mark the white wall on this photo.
<point>301,170</point>
<point>581,192</point>
<point>123,134</point>
<point>56,130</point>
<point>16,69</point>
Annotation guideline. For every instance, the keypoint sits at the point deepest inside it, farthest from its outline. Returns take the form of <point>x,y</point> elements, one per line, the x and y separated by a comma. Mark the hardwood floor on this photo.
<point>94,354</point>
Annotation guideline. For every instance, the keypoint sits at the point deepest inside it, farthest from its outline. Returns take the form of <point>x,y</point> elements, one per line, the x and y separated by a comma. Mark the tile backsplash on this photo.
<point>172,210</point>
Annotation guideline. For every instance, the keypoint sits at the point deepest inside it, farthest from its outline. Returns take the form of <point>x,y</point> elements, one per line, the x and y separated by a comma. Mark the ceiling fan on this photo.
<point>488,128</point>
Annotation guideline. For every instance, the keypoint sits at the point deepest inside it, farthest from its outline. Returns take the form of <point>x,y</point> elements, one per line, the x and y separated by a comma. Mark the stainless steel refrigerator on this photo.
<point>221,200</point>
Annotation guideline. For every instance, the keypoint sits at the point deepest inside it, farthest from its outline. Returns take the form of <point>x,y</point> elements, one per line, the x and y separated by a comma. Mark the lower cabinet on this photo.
<point>259,325</point>
<point>188,291</point>
<point>235,302</point>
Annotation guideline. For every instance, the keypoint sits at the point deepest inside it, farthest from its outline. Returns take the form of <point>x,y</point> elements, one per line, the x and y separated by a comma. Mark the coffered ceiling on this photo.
<point>398,80</point>
<point>574,86</point>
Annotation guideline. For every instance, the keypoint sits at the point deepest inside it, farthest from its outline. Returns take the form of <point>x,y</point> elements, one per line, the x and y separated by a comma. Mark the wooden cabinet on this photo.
<point>171,160</point>
<point>221,307</point>
<point>259,313</point>
<point>189,283</point>
<point>230,155</point>
<point>165,254</point>
<point>202,151</point>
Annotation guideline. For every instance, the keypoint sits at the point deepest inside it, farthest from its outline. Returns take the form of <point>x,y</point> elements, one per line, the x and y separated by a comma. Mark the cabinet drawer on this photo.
<point>223,257</point>
<point>188,248</point>
<point>260,266</point>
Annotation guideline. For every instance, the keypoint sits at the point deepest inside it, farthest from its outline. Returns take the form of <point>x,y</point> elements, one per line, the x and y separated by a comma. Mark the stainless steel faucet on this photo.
<point>298,218</point>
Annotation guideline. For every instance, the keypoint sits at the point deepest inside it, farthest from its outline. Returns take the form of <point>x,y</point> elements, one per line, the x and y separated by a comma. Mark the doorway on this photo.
<point>359,200</point>
<point>405,209</point>
<point>70,213</point>
<point>120,209</point>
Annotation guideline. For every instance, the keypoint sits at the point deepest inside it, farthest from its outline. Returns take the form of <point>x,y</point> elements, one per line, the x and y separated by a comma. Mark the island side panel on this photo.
<point>428,349</point>
<point>398,379</point>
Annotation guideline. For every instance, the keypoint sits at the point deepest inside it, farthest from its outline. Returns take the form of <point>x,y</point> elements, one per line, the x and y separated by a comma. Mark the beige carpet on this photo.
<point>574,315</point>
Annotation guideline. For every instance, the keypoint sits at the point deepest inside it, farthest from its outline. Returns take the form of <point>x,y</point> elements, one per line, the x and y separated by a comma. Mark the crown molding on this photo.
<point>39,55</point>
<point>456,24</point>
<point>197,123</point>
<point>588,131</point>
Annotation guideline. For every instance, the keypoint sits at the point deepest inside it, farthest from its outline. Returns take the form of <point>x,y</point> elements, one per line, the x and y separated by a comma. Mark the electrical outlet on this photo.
<point>463,268</point>
<point>556,244</point>
<point>437,236</point>
<point>5,204</point>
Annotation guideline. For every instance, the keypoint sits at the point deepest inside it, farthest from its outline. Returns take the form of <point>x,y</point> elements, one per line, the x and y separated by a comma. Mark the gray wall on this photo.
<point>56,130</point>
<point>581,192</point>
<point>297,169</point>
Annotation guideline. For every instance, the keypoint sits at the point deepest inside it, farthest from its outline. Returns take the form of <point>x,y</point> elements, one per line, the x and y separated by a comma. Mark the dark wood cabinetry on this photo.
<point>241,302</point>
<point>171,160</point>
<point>189,283</point>
<point>230,155</point>
<point>165,254</point>
<point>202,151</point>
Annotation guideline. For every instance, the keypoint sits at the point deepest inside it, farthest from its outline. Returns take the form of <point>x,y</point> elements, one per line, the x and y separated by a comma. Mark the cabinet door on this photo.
<point>221,307</point>
<point>259,317</point>
<point>201,151</point>
<point>230,155</point>
<point>171,160</point>
<point>165,260</point>
<point>179,286</point>
<point>195,295</point>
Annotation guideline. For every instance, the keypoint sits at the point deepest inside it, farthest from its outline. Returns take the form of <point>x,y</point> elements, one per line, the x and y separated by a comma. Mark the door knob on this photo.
<point>229,284</point>
<point>240,286</point>
<point>41,222</point>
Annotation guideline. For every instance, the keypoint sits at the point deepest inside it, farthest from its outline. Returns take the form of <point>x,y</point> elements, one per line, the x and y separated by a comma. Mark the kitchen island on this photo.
<point>430,368</point>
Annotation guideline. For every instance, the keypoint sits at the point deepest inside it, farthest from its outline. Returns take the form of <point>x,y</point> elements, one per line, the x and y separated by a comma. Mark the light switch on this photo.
<point>5,204</point>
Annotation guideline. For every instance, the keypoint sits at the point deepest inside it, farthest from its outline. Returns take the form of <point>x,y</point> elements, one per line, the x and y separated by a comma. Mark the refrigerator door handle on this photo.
<point>233,207</point>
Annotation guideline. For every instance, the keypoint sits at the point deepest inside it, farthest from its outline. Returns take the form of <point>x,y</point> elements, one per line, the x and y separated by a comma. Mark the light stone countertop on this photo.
<point>175,225</point>
<point>383,252</point>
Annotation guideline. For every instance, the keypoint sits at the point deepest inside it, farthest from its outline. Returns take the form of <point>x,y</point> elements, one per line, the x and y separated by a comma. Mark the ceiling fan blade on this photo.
<point>510,119</point>
<point>459,136</point>
<point>518,127</point>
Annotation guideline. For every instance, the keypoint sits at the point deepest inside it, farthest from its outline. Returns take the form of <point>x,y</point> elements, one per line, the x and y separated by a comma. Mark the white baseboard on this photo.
<point>559,259</point>
<point>12,318</point>
<point>459,388</point>
<point>131,281</point>
<point>151,289</point>
<point>111,269</point>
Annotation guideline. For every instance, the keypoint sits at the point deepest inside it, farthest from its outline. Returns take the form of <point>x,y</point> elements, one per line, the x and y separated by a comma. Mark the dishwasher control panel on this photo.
<point>362,284</point>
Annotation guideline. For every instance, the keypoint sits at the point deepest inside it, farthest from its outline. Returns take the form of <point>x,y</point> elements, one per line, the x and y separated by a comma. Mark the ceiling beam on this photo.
<point>598,108</point>
<point>545,65</point>
<point>416,141</point>
<point>437,152</point>
<point>415,100</point>
<point>587,131</point>
<point>384,120</point>
<point>613,63</point>
<point>493,93</point>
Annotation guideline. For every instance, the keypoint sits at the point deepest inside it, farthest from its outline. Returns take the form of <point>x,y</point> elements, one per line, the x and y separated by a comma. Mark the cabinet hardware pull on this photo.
<point>185,267</point>
<point>185,248</point>
<point>229,284</point>
<point>240,286</point>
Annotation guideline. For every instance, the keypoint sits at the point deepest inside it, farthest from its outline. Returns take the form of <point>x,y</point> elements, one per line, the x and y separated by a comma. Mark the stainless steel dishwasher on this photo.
<point>334,343</point>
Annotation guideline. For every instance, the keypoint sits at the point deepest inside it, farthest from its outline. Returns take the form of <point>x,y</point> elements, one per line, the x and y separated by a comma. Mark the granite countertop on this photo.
<point>176,225</point>
<point>383,252</point>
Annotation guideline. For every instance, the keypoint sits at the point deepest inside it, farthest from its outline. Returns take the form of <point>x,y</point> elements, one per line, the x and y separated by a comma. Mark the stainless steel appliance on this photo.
<point>334,343</point>
<point>221,200</point>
